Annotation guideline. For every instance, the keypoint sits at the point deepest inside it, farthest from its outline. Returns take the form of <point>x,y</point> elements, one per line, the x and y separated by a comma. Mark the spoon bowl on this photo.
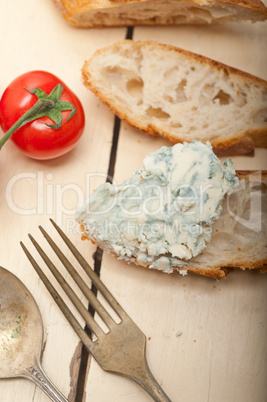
<point>21,335</point>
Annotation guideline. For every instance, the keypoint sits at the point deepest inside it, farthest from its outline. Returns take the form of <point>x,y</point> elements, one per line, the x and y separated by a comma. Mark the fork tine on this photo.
<point>97,306</point>
<point>61,304</point>
<point>67,289</point>
<point>91,273</point>
<point>122,350</point>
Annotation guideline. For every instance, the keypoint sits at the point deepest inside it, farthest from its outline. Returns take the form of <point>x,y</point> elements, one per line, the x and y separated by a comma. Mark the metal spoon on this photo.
<point>21,334</point>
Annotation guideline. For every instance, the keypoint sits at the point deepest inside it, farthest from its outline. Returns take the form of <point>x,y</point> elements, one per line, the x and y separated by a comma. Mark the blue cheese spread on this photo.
<point>161,216</point>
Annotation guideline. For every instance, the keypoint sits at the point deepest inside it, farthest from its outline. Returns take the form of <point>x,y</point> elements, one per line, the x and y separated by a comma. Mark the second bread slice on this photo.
<point>182,96</point>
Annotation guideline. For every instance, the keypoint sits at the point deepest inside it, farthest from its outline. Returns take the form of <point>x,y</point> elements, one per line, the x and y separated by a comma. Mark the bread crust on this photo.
<point>241,144</point>
<point>188,54</point>
<point>88,14</point>
<point>214,270</point>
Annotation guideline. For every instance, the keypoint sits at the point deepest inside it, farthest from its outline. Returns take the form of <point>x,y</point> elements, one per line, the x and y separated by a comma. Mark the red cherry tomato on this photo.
<point>35,138</point>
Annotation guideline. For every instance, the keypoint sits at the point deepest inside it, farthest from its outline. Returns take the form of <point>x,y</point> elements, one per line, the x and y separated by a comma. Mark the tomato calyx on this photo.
<point>48,105</point>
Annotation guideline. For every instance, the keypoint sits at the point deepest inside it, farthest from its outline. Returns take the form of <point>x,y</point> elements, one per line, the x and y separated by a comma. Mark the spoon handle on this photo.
<point>38,376</point>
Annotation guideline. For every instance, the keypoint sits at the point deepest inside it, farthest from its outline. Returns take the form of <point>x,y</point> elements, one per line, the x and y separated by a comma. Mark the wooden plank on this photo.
<point>36,37</point>
<point>220,354</point>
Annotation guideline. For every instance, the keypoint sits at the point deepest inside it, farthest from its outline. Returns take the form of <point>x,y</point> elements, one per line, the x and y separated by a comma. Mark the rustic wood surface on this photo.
<point>220,354</point>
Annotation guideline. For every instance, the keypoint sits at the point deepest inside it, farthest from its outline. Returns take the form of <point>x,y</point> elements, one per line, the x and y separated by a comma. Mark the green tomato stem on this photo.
<point>46,105</point>
<point>42,105</point>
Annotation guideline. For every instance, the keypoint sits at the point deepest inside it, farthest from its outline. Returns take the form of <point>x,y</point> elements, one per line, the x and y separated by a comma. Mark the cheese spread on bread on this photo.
<point>161,216</point>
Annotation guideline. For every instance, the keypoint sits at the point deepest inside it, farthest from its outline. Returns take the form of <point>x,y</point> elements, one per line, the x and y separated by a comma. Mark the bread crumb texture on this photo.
<point>102,13</point>
<point>180,95</point>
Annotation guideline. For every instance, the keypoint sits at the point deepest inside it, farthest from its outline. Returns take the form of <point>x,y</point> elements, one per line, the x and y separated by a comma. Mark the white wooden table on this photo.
<point>221,354</point>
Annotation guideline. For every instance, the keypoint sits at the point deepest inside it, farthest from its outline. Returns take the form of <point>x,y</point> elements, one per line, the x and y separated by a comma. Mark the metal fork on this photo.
<point>122,349</point>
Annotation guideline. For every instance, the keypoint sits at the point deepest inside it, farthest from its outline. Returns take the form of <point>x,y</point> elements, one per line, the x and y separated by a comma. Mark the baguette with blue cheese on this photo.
<point>182,211</point>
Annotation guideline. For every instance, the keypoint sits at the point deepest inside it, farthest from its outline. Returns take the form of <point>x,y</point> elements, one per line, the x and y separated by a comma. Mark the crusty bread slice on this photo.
<point>102,13</point>
<point>182,96</point>
<point>239,236</point>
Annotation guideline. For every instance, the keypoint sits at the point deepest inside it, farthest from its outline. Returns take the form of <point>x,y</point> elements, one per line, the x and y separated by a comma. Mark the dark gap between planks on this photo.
<point>82,377</point>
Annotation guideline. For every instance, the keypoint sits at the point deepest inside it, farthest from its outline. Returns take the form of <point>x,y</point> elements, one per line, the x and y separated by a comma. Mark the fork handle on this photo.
<point>36,374</point>
<point>151,386</point>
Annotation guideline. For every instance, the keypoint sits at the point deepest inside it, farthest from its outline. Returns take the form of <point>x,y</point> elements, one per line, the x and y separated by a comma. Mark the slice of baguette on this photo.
<point>239,236</point>
<point>182,96</point>
<point>103,13</point>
